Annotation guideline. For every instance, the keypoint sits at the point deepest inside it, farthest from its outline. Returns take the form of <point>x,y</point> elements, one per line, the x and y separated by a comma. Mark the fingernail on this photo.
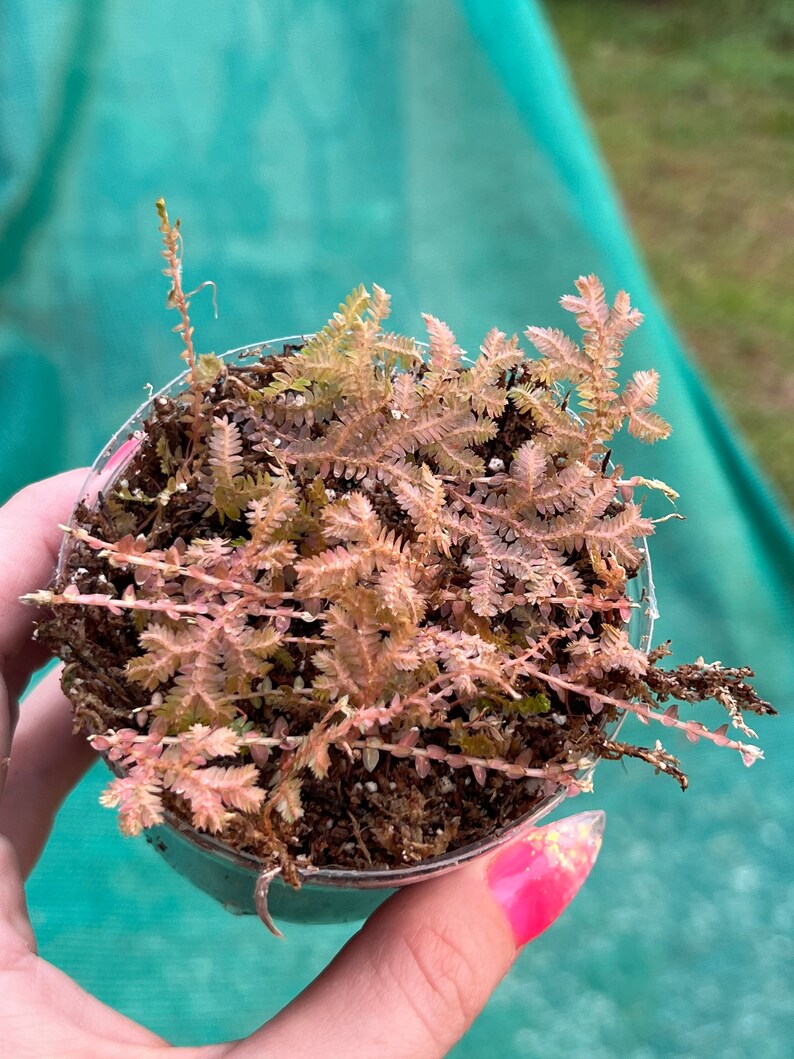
<point>535,879</point>
<point>125,449</point>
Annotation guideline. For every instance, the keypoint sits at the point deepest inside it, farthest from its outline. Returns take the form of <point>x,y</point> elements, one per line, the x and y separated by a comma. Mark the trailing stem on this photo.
<point>177,299</point>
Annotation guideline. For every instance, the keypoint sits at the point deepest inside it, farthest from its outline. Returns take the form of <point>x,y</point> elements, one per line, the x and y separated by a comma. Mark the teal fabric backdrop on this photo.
<point>435,148</point>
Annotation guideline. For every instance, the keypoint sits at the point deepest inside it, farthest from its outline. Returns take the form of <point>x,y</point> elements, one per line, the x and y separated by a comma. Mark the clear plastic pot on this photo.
<point>327,894</point>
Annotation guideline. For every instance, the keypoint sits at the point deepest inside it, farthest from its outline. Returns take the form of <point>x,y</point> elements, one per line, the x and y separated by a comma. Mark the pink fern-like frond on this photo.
<point>225,446</point>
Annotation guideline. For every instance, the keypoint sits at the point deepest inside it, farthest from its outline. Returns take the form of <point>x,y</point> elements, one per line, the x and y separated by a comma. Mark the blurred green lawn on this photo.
<point>693,104</point>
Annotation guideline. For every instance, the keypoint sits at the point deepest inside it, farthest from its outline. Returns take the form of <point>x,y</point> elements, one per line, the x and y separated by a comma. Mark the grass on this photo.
<point>691,102</point>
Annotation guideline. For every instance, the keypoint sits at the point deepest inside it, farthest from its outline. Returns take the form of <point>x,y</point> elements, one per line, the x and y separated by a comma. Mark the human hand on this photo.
<point>408,984</point>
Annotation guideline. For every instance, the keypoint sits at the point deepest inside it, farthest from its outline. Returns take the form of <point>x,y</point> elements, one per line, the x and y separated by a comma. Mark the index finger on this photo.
<point>29,544</point>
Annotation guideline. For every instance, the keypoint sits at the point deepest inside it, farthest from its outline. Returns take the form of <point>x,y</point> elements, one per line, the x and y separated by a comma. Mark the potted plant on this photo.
<point>348,610</point>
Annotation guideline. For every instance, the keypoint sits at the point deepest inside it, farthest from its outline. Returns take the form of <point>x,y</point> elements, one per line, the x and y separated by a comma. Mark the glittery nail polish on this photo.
<point>537,877</point>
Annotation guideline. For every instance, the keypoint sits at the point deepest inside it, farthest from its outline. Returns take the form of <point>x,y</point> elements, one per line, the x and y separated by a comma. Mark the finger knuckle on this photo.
<point>437,975</point>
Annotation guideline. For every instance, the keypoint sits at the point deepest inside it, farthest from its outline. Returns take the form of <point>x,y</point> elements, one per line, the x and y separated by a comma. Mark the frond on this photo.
<point>528,468</point>
<point>269,514</point>
<point>400,595</point>
<point>379,307</point>
<point>480,383</point>
<point>486,586</point>
<point>590,308</point>
<point>271,556</point>
<point>618,653</point>
<point>562,431</point>
<point>641,391</point>
<point>618,533</point>
<point>622,318</point>
<point>405,398</point>
<point>225,446</point>
<point>563,358</point>
<point>455,459</point>
<point>165,650</point>
<point>423,501</point>
<point>334,571</point>
<point>138,798</point>
<point>208,552</point>
<point>347,316</point>
<point>648,426</point>
<point>358,651</point>
<point>197,698</point>
<point>399,351</point>
<point>352,519</point>
<point>444,352</point>
<point>211,792</point>
<point>202,740</point>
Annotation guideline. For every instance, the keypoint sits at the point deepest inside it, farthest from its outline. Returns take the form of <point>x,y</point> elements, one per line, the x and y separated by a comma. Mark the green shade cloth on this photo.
<point>437,149</point>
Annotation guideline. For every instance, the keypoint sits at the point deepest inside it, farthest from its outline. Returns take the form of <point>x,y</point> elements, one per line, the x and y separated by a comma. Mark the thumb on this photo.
<point>421,969</point>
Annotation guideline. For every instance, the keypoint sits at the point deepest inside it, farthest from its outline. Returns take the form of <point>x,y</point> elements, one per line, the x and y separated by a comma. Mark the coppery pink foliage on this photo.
<point>152,765</point>
<point>425,573</point>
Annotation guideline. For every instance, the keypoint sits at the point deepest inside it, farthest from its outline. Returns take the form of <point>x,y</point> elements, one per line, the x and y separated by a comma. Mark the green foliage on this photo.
<point>530,705</point>
<point>477,743</point>
<point>208,368</point>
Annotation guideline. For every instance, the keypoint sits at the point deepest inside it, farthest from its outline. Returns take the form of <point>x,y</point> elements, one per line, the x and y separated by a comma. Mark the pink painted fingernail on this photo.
<point>122,452</point>
<point>536,878</point>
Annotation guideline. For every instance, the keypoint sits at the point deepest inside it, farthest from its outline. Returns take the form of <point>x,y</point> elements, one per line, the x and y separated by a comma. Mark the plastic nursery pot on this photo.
<point>327,894</point>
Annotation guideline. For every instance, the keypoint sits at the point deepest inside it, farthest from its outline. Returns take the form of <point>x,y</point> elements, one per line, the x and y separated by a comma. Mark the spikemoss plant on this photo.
<point>358,603</point>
